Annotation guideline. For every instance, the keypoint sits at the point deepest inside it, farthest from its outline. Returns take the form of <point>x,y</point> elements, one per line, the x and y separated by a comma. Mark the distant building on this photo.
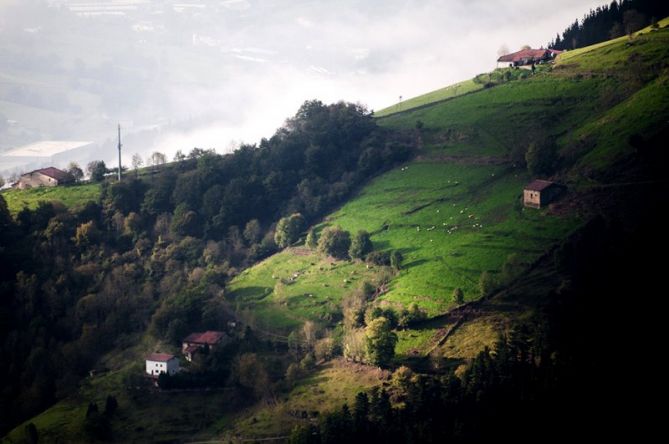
<point>539,193</point>
<point>45,177</point>
<point>525,58</point>
<point>157,363</point>
<point>197,341</point>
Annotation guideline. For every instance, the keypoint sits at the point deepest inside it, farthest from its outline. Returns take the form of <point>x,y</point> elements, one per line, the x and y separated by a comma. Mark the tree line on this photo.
<point>610,21</point>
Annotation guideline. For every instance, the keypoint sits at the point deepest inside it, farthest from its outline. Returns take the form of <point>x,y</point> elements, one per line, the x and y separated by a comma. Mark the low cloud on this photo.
<point>243,67</point>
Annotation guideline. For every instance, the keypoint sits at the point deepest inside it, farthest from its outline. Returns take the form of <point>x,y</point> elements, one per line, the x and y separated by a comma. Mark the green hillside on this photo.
<point>439,95</point>
<point>455,211</point>
<point>68,195</point>
<point>444,218</point>
<point>455,215</point>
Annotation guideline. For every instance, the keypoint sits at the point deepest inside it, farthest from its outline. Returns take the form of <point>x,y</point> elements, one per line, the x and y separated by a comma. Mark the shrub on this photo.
<point>381,258</point>
<point>335,242</point>
<point>361,245</point>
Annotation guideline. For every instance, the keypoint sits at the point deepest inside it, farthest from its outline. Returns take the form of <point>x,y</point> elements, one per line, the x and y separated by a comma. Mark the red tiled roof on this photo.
<point>159,357</point>
<point>53,172</point>
<point>536,54</point>
<point>539,185</point>
<point>208,337</point>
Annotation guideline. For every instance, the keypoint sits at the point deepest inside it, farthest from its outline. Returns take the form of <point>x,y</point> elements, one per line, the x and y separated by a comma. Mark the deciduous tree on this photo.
<point>335,242</point>
<point>380,342</point>
<point>288,230</point>
<point>97,170</point>
<point>361,245</point>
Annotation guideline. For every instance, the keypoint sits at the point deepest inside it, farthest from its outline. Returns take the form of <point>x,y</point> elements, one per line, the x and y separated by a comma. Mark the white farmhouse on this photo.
<point>157,363</point>
<point>46,177</point>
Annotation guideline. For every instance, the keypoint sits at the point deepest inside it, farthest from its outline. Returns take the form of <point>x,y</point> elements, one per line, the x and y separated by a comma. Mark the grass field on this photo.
<point>449,92</point>
<point>294,286</point>
<point>451,223</point>
<point>68,195</point>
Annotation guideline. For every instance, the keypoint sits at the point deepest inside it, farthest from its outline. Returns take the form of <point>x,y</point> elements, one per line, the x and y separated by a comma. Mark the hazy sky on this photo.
<point>371,51</point>
<point>243,66</point>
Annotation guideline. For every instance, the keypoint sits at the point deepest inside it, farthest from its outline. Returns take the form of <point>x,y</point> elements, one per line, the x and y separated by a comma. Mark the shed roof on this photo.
<point>160,357</point>
<point>538,185</point>
<point>208,337</point>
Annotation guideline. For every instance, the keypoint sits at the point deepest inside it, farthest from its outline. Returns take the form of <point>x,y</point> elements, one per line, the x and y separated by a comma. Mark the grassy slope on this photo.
<point>333,384</point>
<point>465,141</point>
<point>281,302</point>
<point>470,138</point>
<point>449,92</point>
<point>70,196</point>
<point>451,222</point>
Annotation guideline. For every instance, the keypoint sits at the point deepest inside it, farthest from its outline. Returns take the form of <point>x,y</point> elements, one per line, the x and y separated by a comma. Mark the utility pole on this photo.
<point>119,152</point>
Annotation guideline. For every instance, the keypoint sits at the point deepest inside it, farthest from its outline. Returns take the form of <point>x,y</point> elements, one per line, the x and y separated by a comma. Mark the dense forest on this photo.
<point>607,22</point>
<point>157,248</point>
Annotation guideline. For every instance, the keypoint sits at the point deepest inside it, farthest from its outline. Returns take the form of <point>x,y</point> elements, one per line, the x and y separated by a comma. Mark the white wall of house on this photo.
<point>155,368</point>
<point>35,179</point>
<point>504,64</point>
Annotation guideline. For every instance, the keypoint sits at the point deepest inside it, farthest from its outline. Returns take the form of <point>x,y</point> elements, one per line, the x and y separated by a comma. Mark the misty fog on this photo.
<point>215,73</point>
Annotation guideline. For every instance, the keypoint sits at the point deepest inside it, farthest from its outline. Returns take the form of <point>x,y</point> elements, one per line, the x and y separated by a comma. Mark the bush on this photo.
<point>396,260</point>
<point>413,314</point>
<point>487,284</point>
<point>312,239</point>
<point>361,245</point>
<point>458,296</point>
<point>335,242</point>
<point>541,157</point>
<point>380,258</point>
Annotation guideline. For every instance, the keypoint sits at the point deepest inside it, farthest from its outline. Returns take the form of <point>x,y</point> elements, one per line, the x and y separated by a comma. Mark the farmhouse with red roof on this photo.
<point>45,177</point>
<point>157,363</point>
<point>526,58</point>
<point>197,341</point>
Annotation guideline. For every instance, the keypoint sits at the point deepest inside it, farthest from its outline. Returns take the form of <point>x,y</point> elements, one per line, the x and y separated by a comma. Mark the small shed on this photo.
<point>540,193</point>
<point>201,340</point>
<point>157,363</point>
